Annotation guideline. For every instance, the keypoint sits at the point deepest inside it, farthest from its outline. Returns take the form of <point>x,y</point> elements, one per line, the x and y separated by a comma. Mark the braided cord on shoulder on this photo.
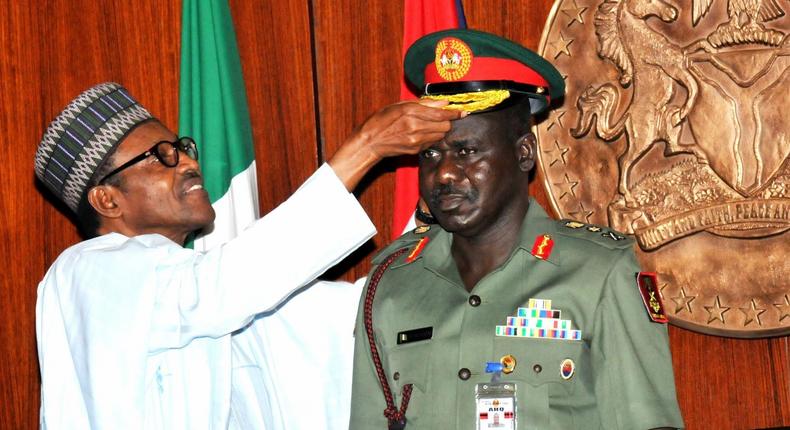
<point>396,418</point>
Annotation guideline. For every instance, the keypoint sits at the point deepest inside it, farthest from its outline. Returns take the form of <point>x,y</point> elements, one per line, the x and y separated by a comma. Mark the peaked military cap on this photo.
<point>478,71</point>
<point>78,141</point>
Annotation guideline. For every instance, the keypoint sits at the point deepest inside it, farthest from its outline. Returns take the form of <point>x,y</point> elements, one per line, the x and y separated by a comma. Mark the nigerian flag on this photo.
<point>213,110</point>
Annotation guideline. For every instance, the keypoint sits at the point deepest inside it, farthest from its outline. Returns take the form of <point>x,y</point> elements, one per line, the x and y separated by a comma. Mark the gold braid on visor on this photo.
<point>471,102</point>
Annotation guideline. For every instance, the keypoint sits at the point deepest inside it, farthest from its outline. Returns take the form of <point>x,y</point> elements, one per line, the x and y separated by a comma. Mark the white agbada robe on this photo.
<point>135,332</point>
<point>293,366</point>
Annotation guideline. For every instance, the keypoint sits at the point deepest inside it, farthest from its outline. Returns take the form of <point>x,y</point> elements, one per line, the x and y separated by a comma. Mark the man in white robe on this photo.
<point>293,366</point>
<point>133,329</point>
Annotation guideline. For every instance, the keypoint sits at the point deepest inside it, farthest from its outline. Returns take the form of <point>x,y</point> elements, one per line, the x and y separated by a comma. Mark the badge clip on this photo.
<point>496,405</point>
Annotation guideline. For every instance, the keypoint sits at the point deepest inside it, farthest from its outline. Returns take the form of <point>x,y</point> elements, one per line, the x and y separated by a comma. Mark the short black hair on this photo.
<point>88,219</point>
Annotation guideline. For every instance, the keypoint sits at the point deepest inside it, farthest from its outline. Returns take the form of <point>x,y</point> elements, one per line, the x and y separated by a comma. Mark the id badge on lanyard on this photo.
<point>496,405</point>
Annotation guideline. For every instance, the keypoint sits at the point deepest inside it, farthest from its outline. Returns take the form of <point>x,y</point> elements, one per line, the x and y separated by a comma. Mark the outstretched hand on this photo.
<point>397,129</point>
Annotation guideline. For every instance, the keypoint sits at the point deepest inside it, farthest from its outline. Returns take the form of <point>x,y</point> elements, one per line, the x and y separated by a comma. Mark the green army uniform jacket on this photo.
<point>623,369</point>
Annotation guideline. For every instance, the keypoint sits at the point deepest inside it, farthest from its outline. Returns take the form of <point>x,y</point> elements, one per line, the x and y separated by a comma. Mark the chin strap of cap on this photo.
<point>396,418</point>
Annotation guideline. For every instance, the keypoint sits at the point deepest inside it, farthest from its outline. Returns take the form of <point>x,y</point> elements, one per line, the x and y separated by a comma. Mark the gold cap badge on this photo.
<point>453,58</point>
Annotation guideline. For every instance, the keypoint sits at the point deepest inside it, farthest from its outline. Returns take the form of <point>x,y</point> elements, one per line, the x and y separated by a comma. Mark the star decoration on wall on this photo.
<point>783,308</point>
<point>574,13</point>
<point>581,213</point>
<point>683,301</point>
<point>557,154</point>
<point>716,311</point>
<point>752,313</point>
<point>561,46</point>
<point>556,119</point>
<point>567,187</point>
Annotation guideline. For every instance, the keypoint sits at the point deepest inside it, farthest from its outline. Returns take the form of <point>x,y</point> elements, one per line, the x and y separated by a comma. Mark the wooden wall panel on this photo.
<point>49,52</point>
<point>275,47</point>
<point>358,56</point>
<point>731,383</point>
<point>19,371</point>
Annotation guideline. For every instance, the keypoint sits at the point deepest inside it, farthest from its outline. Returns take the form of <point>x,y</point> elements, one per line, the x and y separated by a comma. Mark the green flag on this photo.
<point>213,110</point>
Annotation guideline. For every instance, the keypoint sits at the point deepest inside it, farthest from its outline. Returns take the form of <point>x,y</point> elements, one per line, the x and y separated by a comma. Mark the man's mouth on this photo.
<point>448,202</point>
<point>447,198</point>
<point>194,188</point>
<point>192,184</point>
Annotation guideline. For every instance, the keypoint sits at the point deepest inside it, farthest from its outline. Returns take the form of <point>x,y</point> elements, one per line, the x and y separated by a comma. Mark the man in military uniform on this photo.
<point>500,317</point>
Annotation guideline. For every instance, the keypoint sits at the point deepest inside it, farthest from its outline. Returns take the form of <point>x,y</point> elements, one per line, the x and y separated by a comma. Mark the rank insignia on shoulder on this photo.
<point>574,224</point>
<point>612,235</point>
<point>648,289</point>
<point>542,247</point>
<point>422,229</point>
<point>417,249</point>
<point>593,228</point>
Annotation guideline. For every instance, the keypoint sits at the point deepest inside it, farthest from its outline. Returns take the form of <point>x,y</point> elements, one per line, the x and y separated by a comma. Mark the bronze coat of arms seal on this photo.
<point>675,129</point>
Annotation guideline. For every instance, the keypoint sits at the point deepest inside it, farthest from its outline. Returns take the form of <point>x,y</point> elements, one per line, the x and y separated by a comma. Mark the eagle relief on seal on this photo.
<point>674,129</point>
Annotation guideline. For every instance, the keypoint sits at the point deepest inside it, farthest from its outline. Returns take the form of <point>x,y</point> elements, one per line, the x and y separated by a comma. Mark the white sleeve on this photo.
<point>218,292</point>
<point>307,342</point>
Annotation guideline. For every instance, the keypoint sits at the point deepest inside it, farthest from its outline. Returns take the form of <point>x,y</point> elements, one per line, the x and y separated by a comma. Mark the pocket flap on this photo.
<point>409,364</point>
<point>541,361</point>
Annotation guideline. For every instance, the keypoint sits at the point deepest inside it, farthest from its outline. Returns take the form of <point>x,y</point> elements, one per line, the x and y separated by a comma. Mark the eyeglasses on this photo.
<point>166,152</point>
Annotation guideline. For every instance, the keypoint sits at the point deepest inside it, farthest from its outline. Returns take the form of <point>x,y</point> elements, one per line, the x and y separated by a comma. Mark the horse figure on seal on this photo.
<point>652,64</point>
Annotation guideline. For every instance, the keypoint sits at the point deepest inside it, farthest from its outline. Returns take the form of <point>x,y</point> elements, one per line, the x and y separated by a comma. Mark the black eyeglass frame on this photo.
<point>184,144</point>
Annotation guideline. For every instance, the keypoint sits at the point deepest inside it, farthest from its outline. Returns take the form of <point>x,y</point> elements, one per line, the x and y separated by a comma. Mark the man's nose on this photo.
<point>185,162</point>
<point>448,170</point>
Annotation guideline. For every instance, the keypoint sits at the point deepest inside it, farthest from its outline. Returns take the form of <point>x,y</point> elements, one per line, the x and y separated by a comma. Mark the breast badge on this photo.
<point>508,363</point>
<point>676,132</point>
<point>567,369</point>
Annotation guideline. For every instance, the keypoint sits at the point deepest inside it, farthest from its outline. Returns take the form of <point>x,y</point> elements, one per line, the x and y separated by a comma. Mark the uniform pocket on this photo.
<point>545,375</point>
<point>410,364</point>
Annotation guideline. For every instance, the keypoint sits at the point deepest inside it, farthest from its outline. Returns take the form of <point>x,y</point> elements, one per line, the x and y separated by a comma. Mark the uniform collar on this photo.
<point>437,256</point>
<point>537,224</point>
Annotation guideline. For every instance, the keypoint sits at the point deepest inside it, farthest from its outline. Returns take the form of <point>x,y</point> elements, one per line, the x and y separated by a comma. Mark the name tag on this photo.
<point>415,335</point>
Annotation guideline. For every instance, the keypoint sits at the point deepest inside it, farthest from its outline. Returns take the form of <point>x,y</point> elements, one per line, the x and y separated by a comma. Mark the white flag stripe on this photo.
<point>236,210</point>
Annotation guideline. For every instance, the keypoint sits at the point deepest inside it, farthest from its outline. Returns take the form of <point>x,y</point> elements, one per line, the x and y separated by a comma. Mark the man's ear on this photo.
<point>103,200</point>
<point>525,151</point>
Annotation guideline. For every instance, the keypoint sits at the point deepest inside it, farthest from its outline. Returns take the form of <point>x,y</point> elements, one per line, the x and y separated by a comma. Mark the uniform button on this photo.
<point>474,300</point>
<point>537,368</point>
<point>464,374</point>
<point>396,376</point>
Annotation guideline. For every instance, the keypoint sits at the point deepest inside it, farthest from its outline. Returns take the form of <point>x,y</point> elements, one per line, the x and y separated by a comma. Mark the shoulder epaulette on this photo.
<point>407,240</point>
<point>598,234</point>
